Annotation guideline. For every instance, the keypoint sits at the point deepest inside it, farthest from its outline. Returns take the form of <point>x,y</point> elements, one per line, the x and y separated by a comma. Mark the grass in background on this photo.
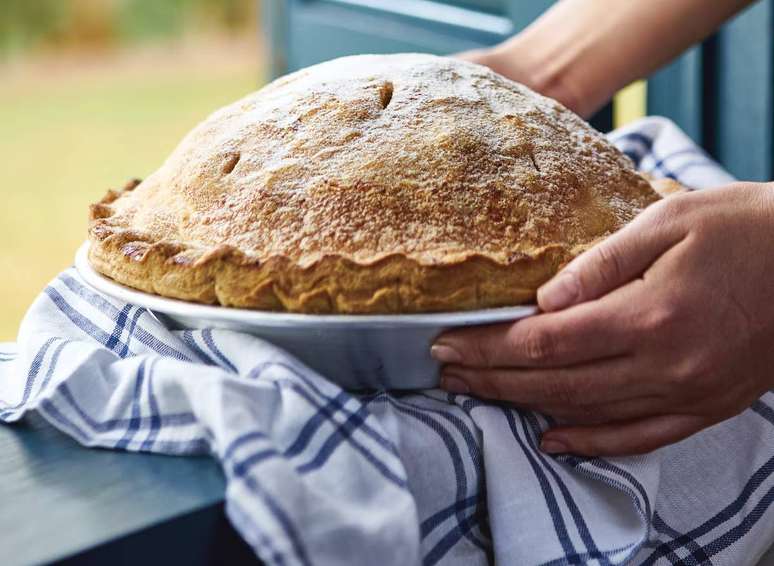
<point>73,130</point>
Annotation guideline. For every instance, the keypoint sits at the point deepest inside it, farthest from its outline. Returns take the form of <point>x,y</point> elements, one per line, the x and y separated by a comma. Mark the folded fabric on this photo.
<point>316,475</point>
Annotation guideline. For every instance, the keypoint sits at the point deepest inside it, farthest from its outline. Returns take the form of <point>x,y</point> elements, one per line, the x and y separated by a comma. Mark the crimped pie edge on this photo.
<point>388,283</point>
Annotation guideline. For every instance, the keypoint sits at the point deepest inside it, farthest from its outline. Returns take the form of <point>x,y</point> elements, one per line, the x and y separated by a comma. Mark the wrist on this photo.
<point>767,190</point>
<point>528,61</point>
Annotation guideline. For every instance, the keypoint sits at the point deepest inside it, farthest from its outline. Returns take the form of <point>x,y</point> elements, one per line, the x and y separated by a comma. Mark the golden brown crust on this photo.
<point>666,187</point>
<point>404,183</point>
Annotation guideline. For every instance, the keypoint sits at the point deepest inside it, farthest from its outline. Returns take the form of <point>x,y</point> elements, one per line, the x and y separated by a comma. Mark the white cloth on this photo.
<point>320,476</point>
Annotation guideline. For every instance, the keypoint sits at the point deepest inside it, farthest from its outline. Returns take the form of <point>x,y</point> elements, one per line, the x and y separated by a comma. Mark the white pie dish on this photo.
<point>355,351</point>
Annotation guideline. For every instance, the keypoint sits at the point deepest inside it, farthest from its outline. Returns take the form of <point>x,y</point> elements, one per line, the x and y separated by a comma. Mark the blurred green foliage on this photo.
<point>74,125</point>
<point>49,24</point>
<point>24,23</point>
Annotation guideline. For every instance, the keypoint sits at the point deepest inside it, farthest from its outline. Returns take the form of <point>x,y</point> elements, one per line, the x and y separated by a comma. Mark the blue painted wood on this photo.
<point>325,29</point>
<point>722,94</point>
<point>275,29</point>
<point>64,504</point>
<point>525,12</point>
<point>742,117</point>
<point>493,6</point>
<point>59,500</point>
<point>200,538</point>
<point>677,92</point>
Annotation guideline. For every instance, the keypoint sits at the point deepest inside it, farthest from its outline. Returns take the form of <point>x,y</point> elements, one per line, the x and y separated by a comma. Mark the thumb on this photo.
<point>613,262</point>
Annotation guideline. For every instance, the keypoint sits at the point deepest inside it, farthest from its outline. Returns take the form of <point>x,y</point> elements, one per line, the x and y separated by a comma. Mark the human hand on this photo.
<point>518,59</point>
<point>661,330</point>
<point>502,59</point>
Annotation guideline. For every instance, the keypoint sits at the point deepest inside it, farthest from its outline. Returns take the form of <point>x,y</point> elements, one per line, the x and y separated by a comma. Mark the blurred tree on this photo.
<point>92,23</point>
<point>151,18</point>
<point>40,24</point>
<point>24,24</point>
<point>238,14</point>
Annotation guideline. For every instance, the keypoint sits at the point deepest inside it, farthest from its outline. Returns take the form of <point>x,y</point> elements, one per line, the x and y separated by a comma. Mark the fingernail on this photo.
<point>454,384</point>
<point>560,292</point>
<point>445,354</point>
<point>550,446</point>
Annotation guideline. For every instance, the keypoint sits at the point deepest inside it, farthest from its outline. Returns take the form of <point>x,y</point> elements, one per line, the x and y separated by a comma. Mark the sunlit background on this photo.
<point>92,93</point>
<point>95,92</point>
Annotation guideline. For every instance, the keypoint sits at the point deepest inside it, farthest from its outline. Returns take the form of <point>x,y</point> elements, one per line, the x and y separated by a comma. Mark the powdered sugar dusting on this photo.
<point>372,155</point>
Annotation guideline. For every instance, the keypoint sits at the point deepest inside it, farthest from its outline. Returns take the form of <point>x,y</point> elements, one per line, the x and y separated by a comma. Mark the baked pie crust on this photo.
<point>370,184</point>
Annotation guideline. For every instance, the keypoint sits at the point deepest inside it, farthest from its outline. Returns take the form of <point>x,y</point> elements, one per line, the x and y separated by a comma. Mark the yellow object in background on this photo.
<point>630,104</point>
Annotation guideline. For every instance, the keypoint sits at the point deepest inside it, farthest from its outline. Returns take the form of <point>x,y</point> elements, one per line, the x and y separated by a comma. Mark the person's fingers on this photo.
<point>578,386</point>
<point>616,260</point>
<point>601,413</point>
<point>622,439</point>
<point>585,332</point>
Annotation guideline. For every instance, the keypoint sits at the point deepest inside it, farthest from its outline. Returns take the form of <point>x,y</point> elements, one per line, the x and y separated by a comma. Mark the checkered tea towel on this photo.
<point>317,475</point>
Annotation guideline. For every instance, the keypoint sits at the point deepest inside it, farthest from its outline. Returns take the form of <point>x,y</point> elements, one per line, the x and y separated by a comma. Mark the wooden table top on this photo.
<point>61,500</point>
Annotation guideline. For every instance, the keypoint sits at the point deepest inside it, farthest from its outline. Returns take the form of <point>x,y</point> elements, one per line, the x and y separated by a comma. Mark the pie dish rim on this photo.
<point>180,307</point>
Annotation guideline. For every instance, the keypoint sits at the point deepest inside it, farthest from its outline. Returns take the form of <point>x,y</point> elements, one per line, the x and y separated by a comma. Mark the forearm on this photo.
<point>582,51</point>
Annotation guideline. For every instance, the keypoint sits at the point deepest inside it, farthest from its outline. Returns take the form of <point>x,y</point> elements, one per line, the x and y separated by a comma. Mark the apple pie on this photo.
<point>371,184</point>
